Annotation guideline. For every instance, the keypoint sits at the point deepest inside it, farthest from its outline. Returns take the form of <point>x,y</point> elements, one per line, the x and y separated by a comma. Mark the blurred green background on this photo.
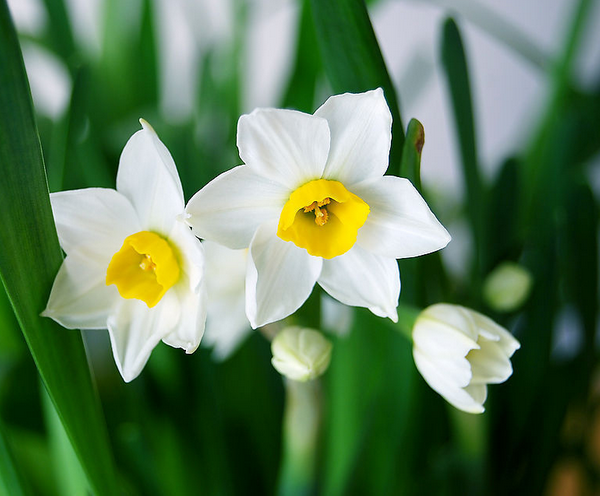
<point>509,97</point>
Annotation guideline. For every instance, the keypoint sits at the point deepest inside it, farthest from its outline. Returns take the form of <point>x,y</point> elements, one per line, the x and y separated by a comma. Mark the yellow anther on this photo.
<point>310,208</point>
<point>147,264</point>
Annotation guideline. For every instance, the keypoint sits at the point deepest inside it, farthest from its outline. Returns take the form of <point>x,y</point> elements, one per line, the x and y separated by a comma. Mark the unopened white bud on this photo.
<point>507,287</point>
<point>300,354</point>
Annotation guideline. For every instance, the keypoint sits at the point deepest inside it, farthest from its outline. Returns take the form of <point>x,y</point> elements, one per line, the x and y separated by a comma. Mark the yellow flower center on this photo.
<point>322,217</point>
<point>144,268</point>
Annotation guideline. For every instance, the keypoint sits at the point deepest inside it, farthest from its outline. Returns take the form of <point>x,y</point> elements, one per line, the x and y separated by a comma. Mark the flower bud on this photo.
<point>507,287</point>
<point>459,352</point>
<point>300,354</point>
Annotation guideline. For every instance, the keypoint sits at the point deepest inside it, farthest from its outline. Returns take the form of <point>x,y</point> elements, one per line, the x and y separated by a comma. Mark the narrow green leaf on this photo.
<point>60,32</point>
<point>580,259</point>
<point>503,207</point>
<point>10,480</point>
<point>300,93</point>
<point>369,386</point>
<point>29,260</point>
<point>69,476</point>
<point>457,74</point>
<point>353,61</point>
<point>556,109</point>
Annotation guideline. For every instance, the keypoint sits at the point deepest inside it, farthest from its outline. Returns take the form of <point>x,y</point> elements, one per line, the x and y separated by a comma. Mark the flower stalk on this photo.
<point>301,427</point>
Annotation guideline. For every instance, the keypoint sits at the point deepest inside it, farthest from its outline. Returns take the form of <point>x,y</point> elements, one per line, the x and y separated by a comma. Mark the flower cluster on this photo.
<point>310,205</point>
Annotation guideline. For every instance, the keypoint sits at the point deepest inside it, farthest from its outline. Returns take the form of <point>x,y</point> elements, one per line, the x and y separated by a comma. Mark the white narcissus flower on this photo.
<point>300,353</point>
<point>312,205</point>
<point>459,352</point>
<point>226,323</point>
<point>132,265</point>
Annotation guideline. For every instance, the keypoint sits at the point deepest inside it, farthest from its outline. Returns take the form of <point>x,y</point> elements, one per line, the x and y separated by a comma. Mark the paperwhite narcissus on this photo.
<point>459,352</point>
<point>132,265</point>
<point>300,353</point>
<point>312,205</point>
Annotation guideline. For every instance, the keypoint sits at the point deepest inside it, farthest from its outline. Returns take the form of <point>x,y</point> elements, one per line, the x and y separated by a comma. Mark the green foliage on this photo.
<point>29,260</point>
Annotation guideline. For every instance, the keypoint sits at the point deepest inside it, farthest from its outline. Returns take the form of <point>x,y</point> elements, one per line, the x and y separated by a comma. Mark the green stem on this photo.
<point>470,434</point>
<point>301,425</point>
<point>407,315</point>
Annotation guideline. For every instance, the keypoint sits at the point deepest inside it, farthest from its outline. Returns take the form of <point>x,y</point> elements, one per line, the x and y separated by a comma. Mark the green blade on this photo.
<point>29,259</point>
<point>457,74</point>
<point>353,61</point>
<point>300,91</point>
<point>10,480</point>
<point>67,469</point>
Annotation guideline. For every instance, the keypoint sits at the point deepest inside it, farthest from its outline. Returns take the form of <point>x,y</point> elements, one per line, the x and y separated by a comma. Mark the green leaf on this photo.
<point>457,73</point>
<point>503,207</point>
<point>369,385</point>
<point>300,92</point>
<point>10,480</point>
<point>67,469</point>
<point>59,32</point>
<point>353,61</point>
<point>29,260</point>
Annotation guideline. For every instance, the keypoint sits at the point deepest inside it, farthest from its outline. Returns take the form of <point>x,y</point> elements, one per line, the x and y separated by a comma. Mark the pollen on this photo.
<point>145,268</point>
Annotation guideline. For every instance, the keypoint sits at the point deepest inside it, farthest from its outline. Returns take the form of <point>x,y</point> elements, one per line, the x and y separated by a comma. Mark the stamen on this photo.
<point>310,208</point>
<point>321,216</point>
<point>147,264</point>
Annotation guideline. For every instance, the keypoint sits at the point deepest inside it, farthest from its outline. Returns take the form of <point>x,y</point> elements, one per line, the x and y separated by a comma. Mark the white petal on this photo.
<point>135,330</point>
<point>94,221</point>
<point>489,363</point>
<point>147,176</point>
<point>287,146</point>
<point>226,326</point>
<point>478,392</point>
<point>190,329</point>
<point>362,279</point>
<point>361,134</point>
<point>460,319</point>
<point>280,276</point>
<point>191,254</point>
<point>487,327</point>
<point>226,322</point>
<point>444,386</point>
<point>80,298</point>
<point>190,290</point>
<point>440,339</point>
<point>400,223</point>
<point>230,208</point>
